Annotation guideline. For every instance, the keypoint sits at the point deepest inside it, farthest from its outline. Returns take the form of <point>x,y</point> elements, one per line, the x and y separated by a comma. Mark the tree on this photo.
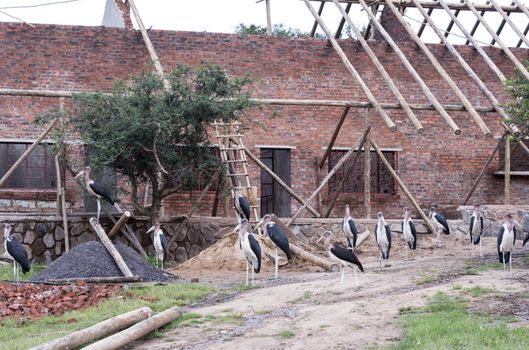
<point>149,134</point>
<point>518,107</point>
<point>277,30</point>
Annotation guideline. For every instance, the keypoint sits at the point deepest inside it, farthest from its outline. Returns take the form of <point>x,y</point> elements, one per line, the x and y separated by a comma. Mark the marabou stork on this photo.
<point>95,189</point>
<point>16,252</point>
<point>250,248</point>
<point>242,206</point>
<point>160,244</point>
<point>506,240</point>
<point>343,256</point>
<point>349,229</point>
<point>476,228</point>
<point>409,233</point>
<point>272,230</point>
<point>383,237</point>
<point>440,223</point>
<point>524,216</point>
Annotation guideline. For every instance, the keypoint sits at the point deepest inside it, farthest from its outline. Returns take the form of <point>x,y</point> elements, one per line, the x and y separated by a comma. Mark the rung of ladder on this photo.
<point>236,174</point>
<point>236,161</point>
<point>231,148</point>
<point>226,124</point>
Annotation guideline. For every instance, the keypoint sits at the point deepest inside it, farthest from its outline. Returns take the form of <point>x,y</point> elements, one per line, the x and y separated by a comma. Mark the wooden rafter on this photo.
<point>506,18</point>
<point>333,138</point>
<point>338,33</point>
<point>315,25</point>
<point>369,26</point>
<point>500,27</point>
<point>475,26</point>
<point>451,23</point>
<point>423,24</point>
<point>524,33</point>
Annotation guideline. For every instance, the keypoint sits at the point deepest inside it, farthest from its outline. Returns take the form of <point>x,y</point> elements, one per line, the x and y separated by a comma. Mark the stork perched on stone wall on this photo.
<point>95,189</point>
<point>16,252</point>
<point>250,248</point>
<point>409,233</point>
<point>505,242</point>
<point>476,228</point>
<point>160,244</point>
<point>349,229</point>
<point>440,223</point>
<point>383,238</point>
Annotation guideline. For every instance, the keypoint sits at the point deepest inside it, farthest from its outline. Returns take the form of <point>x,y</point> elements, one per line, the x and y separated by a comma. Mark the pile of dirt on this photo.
<point>34,301</point>
<point>91,259</point>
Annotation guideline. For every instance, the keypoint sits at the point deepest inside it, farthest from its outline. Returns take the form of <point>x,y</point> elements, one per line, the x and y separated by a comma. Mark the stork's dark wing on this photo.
<point>165,248</point>
<point>101,191</point>
<point>514,233</point>
<point>472,219</point>
<point>346,255</point>
<point>245,207</point>
<point>498,242</point>
<point>443,222</point>
<point>17,251</point>
<point>256,249</point>
<point>352,226</point>
<point>525,240</point>
<point>414,234</point>
<point>376,239</point>
<point>278,237</point>
<point>388,235</point>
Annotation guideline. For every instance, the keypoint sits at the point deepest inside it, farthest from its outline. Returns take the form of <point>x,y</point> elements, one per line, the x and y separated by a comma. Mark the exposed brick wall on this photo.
<point>437,166</point>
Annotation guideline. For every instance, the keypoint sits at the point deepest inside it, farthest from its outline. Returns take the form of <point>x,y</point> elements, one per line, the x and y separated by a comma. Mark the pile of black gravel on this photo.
<point>91,259</point>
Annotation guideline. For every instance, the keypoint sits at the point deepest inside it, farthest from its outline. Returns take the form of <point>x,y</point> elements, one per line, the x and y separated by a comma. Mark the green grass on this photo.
<point>287,334</point>
<point>474,267</point>
<point>22,334</point>
<point>424,279</point>
<point>241,287</point>
<point>477,291</point>
<point>446,324</point>
<point>6,272</point>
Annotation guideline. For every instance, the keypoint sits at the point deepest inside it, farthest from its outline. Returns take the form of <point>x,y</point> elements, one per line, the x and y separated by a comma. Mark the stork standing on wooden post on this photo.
<point>250,248</point>
<point>344,256</point>
<point>383,238</point>
<point>476,228</point>
<point>440,223</point>
<point>16,252</point>
<point>409,233</point>
<point>505,242</point>
<point>95,189</point>
<point>160,244</point>
<point>349,229</point>
<point>272,230</point>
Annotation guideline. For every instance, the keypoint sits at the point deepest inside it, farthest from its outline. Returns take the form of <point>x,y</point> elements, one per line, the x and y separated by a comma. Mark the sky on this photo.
<point>225,15</point>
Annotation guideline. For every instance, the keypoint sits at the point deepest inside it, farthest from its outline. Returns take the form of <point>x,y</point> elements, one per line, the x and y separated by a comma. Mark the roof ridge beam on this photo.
<point>351,68</point>
<point>411,70</point>
<point>381,70</point>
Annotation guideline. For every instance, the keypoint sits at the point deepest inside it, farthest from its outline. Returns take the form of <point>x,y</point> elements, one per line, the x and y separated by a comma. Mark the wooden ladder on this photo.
<point>232,154</point>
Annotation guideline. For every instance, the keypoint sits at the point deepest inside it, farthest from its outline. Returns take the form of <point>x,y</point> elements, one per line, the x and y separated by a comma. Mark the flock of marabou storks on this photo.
<point>345,256</point>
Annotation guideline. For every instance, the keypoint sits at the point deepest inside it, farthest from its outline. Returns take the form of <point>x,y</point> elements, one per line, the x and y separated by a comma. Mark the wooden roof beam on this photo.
<point>451,24</point>
<point>524,33</point>
<point>508,20</point>
<point>396,92</point>
<point>338,33</point>
<point>369,26</point>
<point>315,25</point>
<point>423,24</point>
<point>475,26</point>
<point>351,69</point>
<point>521,6</point>
<point>434,4</point>
<point>500,42</point>
<point>411,69</point>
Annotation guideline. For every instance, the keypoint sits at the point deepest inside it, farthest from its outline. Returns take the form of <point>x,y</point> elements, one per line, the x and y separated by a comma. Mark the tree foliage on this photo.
<point>148,133</point>
<point>277,30</point>
<point>518,106</point>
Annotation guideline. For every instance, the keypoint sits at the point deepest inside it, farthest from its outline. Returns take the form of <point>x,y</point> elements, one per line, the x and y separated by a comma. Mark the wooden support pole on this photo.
<point>385,76</point>
<point>58,211</point>
<point>137,331</point>
<point>28,151</point>
<point>110,247</point>
<point>490,96</point>
<point>500,42</point>
<point>403,187</point>
<point>508,20</point>
<point>97,331</point>
<point>451,23</point>
<point>351,69</point>
<point>331,173</point>
<point>334,137</point>
<point>62,204</point>
<point>367,171</point>
<point>510,130</point>
<point>338,33</point>
<point>280,182</point>
<point>347,173</point>
<point>508,170</point>
<point>315,25</point>
<point>442,72</point>
<point>423,24</point>
<point>118,225</point>
<point>483,170</point>
<point>318,178</point>
<point>409,67</point>
<point>268,18</point>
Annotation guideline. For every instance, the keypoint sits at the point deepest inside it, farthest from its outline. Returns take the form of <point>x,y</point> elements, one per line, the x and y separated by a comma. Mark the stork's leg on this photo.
<point>510,265</point>
<point>472,243</point>
<point>14,272</point>
<point>276,259</point>
<point>253,275</point>
<point>503,255</point>
<point>406,245</point>
<point>480,250</point>
<point>246,272</point>
<point>98,208</point>
<point>380,262</point>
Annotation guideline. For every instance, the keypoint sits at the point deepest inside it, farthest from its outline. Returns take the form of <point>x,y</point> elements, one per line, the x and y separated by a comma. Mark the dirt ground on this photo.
<point>307,308</point>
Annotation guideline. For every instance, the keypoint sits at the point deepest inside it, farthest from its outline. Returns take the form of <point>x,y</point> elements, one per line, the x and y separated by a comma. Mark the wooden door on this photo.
<point>274,199</point>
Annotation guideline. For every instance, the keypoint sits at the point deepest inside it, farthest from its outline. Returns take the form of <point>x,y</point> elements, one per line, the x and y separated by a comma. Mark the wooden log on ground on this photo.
<point>137,331</point>
<point>97,331</point>
<point>117,226</point>
<point>110,247</point>
<point>108,280</point>
<point>362,238</point>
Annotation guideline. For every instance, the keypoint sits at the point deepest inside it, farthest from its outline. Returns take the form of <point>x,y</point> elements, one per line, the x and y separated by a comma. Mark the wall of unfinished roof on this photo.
<point>437,166</point>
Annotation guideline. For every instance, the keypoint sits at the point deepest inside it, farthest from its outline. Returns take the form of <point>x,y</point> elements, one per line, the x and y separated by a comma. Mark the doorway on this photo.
<point>274,199</point>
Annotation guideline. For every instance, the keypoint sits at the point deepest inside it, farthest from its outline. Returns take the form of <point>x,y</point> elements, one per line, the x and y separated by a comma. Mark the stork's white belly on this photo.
<point>158,248</point>
<point>382,239</point>
<point>248,252</point>
<point>507,243</point>
<point>408,237</point>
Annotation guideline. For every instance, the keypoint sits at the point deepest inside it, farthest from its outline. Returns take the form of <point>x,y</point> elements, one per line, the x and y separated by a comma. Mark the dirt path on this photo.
<point>314,311</point>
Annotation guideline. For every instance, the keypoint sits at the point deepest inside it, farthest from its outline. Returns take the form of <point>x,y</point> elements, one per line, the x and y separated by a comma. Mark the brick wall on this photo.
<point>438,166</point>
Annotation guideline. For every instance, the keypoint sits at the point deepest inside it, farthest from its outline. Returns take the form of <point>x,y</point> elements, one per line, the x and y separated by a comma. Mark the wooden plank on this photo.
<point>118,225</point>
<point>334,136</point>
<point>349,153</point>
<point>378,65</point>
<point>110,248</point>
<point>97,331</point>
<point>137,331</point>
<point>30,149</point>
<point>403,187</point>
<point>442,72</point>
<point>409,67</point>
<point>360,81</point>
<point>507,175</point>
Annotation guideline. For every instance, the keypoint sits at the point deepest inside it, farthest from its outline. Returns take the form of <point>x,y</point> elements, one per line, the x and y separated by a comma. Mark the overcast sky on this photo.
<point>225,15</point>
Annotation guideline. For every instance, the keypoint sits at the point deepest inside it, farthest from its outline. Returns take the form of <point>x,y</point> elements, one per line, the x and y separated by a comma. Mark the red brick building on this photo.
<point>437,166</point>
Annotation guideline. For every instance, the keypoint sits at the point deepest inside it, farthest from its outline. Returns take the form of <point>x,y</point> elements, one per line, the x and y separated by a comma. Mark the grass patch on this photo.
<point>477,291</point>
<point>22,334</point>
<point>6,272</point>
<point>424,279</point>
<point>445,324</point>
<point>286,334</point>
<point>243,286</point>
<point>474,267</point>
<point>262,312</point>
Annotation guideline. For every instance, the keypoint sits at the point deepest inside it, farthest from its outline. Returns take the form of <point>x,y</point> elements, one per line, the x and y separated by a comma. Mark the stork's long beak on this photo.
<point>151,229</point>
<point>321,238</point>
<point>261,222</point>
<point>79,175</point>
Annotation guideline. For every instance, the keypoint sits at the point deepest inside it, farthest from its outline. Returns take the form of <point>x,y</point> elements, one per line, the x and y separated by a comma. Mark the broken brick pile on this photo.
<point>34,301</point>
